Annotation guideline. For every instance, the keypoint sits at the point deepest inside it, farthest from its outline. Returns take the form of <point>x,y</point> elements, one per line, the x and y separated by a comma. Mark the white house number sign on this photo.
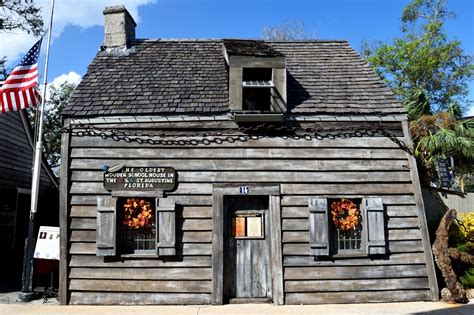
<point>244,190</point>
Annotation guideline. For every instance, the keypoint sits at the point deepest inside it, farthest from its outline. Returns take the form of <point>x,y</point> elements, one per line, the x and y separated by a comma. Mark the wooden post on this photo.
<point>63,215</point>
<point>217,293</point>
<point>277,256</point>
<point>421,215</point>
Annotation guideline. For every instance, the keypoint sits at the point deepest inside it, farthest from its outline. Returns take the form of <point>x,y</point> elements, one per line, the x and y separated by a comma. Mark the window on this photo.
<point>346,226</point>
<point>257,80</point>
<point>135,226</point>
<point>256,85</point>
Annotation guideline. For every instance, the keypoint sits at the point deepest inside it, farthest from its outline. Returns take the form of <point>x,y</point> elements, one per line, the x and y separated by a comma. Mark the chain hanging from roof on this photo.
<point>241,134</point>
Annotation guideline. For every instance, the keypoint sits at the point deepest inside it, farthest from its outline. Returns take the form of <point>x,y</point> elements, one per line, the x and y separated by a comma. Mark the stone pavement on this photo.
<point>52,308</point>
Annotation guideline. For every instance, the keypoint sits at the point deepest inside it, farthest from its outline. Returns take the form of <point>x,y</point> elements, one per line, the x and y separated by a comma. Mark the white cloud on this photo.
<point>87,13</point>
<point>82,13</point>
<point>470,111</point>
<point>71,77</point>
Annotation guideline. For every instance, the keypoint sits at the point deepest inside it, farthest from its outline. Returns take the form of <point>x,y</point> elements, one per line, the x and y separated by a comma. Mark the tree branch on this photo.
<point>442,252</point>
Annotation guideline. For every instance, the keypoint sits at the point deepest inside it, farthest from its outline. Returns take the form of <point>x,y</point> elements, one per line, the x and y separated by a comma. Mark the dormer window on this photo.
<point>256,89</point>
<point>257,80</point>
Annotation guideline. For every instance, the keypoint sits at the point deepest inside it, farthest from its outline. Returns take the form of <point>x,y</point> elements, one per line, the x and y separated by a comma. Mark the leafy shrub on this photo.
<point>461,235</point>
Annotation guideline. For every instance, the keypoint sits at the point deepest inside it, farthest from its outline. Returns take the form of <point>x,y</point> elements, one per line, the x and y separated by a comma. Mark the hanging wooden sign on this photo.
<point>140,178</point>
<point>443,173</point>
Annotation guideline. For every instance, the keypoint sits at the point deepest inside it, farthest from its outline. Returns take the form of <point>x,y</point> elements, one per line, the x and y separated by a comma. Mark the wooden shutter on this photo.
<point>318,227</point>
<point>166,226</point>
<point>375,226</point>
<point>106,226</point>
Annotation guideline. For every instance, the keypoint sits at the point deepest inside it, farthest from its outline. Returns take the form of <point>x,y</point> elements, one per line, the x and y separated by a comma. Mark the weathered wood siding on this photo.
<point>358,166</point>
<point>16,154</point>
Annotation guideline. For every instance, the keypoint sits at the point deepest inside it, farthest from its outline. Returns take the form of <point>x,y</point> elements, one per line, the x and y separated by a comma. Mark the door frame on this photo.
<point>274,208</point>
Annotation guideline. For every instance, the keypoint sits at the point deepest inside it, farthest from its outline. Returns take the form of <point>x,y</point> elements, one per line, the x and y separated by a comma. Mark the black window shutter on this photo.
<point>106,226</point>
<point>318,227</point>
<point>375,226</point>
<point>166,226</point>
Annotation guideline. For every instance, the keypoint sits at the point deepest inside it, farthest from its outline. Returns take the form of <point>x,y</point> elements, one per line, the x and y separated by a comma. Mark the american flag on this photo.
<point>18,90</point>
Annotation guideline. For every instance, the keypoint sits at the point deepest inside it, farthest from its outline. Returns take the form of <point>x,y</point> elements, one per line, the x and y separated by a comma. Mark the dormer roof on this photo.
<point>248,47</point>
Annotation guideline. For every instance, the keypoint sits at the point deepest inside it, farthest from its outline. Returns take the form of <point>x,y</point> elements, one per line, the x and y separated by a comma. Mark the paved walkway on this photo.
<point>52,308</point>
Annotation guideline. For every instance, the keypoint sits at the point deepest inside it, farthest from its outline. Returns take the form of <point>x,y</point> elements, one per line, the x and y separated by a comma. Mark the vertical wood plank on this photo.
<point>421,215</point>
<point>277,257</point>
<point>318,227</point>
<point>375,226</point>
<point>63,215</point>
<point>217,294</point>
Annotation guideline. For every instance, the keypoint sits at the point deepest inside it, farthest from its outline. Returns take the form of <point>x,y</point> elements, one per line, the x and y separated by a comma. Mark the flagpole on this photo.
<point>26,293</point>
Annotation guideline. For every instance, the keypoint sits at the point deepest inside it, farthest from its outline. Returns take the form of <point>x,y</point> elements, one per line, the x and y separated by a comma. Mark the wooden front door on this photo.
<point>247,267</point>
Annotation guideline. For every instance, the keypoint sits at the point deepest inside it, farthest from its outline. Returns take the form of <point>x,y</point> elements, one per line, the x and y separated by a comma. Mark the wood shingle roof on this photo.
<point>191,76</point>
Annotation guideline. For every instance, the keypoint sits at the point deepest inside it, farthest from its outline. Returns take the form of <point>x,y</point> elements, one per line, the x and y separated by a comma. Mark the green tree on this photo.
<point>423,63</point>
<point>20,15</point>
<point>16,16</point>
<point>441,135</point>
<point>429,74</point>
<point>58,98</point>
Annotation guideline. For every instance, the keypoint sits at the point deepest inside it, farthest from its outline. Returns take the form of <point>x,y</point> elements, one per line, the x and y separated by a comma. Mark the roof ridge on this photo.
<point>242,39</point>
<point>178,40</point>
<point>309,41</point>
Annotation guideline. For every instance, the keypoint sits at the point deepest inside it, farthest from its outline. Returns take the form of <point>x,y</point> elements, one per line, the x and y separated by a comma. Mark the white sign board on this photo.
<point>254,226</point>
<point>47,243</point>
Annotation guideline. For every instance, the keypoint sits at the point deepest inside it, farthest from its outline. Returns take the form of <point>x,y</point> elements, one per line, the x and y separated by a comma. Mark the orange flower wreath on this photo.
<point>137,213</point>
<point>345,214</point>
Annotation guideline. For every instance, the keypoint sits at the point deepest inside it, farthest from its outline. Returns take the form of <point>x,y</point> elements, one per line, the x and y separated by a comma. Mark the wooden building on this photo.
<point>217,171</point>
<point>16,162</point>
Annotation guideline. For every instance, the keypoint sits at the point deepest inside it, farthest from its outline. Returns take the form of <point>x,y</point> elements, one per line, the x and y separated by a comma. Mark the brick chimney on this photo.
<point>119,27</point>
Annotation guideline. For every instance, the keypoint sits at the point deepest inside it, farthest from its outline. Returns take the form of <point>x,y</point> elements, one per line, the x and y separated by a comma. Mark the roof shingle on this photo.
<point>191,76</point>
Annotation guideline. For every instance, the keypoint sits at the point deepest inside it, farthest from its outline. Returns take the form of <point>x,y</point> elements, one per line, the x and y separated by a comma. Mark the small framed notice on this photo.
<point>254,226</point>
<point>238,226</point>
<point>47,243</point>
<point>247,225</point>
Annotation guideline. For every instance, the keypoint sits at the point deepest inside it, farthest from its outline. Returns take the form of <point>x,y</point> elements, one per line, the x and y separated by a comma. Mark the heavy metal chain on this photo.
<point>241,134</point>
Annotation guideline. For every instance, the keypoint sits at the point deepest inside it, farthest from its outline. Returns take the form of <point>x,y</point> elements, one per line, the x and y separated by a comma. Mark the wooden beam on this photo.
<point>162,286</point>
<point>358,297</point>
<point>248,142</point>
<point>362,188</point>
<point>142,273</point>
<point>276,250</point>
<point>257,62</point>
<point>405,199</point>
<point>394,259</point>
<point>137,298</point>
<point>217,293</point>
<point>248,164</point>
<point>86,261</point>
<point>422,216</point>
<point>95,156</point>
<point>356,285</point>
<point>354,272</point>
<point>63,216</point>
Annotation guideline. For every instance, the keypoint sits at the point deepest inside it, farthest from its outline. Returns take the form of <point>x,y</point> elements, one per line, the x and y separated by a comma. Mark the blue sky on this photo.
<point>78,27</point>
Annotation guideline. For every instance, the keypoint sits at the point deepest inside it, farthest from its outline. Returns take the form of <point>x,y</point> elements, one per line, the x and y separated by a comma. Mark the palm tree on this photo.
<point>440,136</point>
